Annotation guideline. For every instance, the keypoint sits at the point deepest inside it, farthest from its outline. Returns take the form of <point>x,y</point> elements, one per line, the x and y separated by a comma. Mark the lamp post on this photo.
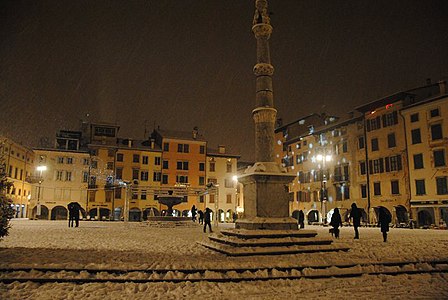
<point>322,159</point>
<point>40,169</point>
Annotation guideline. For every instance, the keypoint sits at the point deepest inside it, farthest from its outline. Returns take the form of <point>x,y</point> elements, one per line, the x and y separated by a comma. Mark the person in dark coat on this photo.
<point>355,214</point>
<point>201,217</point>
<point>301,219</point>
<point>383,221</point>
<point>336,221</point>
<point>193,213</point>
<point>71,217</point>
<point>73,213</point>
<point>207,219</point>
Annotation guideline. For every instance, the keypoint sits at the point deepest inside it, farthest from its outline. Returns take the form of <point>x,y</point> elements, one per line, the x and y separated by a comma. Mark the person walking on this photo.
<point>193,213</point>
<point>383,221</point>
<point>201,217</point>
<point>301,219</point>
<point>355,214</point>
<point>207,220</point>
<point>336,221</point>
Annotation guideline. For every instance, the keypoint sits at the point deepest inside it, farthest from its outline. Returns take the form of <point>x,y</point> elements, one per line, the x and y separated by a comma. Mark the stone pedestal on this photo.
<point>266,198</point>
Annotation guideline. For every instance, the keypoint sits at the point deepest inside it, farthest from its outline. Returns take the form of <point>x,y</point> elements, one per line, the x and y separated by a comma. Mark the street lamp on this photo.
<point>215,188</point>
<point>40,169</point>
<point>322,159</point>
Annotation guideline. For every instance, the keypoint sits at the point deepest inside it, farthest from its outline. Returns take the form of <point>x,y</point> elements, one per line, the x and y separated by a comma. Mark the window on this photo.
<point>420,187</point>
<point>94,164</point>
<point>92,196</point>
<point>166,146</point>
<point>110,165</point>
<point>442,187</point>
<point>182,165</point>
<point>436,132</point>
<point>135,173</point>
<point>201,166</point>
<point>391,140</point>
<point>68,176</point>
<point>145,159</point>
<point>414,118</point>
<point>344,147</point>
<point>361,142</point>
<point>21,174</point>
<point>376,166</point>
<point>157,161</point>
<point>156,176</point>
<point>118,193</point>
<point>228,183</point>
<point>394,187</point>
<point>390,119</point>
<point>229,198</point>
<point>165,179</point>
<point>229,167</point>
<point>374,143</point>
<point>393,163</point>
<point>212,199</point>
<point>69,160</point>
<point>144,175</point>
<point>143,195</point>
<point>16,170</point>
<point>201,180</point>
<point>434,113</point>
<point>134,194</point>
<point>165,164</point>
<point>119,156</point>
<point>418,161</point>
<point>202,149</point>
<point>109,196</point>
<point>439,158</point>
<point>416,137</point>
<point>374,124</point>
<point>183,148</point>
<point>60,160</point>
<point>346,191</point>
<point>136,158</point>
<point>377,188</point>
<point>85,161</point>
<point>85,176</point>
<point>182,178</point>
<point>338,193</point>
<point>110,152</point>
<point>119,173</point>
<point>362,167</point>
<point>363,191</point>
<point>212,166</point>
<point>59,175</point>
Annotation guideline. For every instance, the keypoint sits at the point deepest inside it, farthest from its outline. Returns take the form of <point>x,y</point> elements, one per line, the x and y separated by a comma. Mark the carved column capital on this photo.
<point>263,69</point>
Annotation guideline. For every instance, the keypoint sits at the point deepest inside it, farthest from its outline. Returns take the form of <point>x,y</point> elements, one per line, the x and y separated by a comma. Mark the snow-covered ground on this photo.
<point>136,245</point>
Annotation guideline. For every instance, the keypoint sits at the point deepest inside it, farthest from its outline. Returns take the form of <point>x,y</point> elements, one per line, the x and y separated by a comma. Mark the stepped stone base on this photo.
<point>241,242</point>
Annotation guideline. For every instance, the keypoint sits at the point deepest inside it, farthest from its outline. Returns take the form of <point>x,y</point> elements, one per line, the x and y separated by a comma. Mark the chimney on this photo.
<point>442,87</point>
<point>221,149</point>
<point>129,143</point>
<point>195,132</point>
<point>152,143</point>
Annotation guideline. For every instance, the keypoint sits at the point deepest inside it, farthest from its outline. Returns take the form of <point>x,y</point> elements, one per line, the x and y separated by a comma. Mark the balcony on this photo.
<point>341,178</point>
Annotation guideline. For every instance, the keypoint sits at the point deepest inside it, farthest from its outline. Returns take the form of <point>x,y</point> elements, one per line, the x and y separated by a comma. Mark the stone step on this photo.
<point>268,242</point>
<point>256,234</point>
<point>275,250</point>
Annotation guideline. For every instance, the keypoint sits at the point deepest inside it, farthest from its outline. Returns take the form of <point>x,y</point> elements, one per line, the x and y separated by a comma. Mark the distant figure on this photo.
<point>193,213</point>
<point>301,219</point>
<point>383,221</point>
<point>355,214</point>
<point>73,214</point>
<point>201,217</point>
<point>336,221</point>
<point>207,219</point>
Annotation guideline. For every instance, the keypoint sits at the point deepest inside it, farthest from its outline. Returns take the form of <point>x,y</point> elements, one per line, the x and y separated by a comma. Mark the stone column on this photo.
<point>266,194</point>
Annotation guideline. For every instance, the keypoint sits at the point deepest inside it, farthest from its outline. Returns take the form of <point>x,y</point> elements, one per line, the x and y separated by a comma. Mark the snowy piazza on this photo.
<point>116,260</point>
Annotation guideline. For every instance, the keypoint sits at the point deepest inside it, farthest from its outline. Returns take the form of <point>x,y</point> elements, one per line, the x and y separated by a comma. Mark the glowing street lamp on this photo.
<point>40,169</point>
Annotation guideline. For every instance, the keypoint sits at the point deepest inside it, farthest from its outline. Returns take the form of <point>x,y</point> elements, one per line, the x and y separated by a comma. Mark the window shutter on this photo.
<point>382,165</point>
<point>387,164</point>
<point>370,166</point>
<point>399,161</point>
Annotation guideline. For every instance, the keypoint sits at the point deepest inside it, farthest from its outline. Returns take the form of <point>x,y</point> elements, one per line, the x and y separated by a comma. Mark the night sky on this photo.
<point>185,63</point>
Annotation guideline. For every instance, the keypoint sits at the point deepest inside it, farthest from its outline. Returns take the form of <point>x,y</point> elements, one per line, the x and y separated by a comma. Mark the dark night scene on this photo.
<point>256,149</point>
